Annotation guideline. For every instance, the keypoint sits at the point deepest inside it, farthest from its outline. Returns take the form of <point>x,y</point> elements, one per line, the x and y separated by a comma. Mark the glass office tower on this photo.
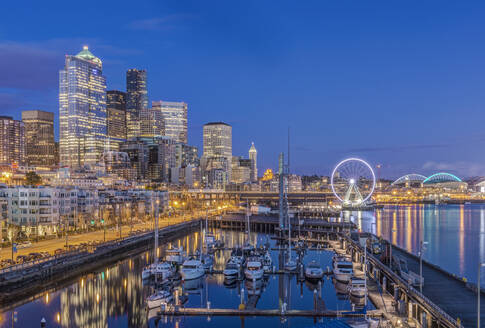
<point>136,101</point>
<point>82,110</point>
<point>174,119</point>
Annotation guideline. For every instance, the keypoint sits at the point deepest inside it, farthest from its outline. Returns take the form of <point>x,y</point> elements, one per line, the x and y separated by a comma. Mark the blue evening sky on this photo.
<point>401,83</point>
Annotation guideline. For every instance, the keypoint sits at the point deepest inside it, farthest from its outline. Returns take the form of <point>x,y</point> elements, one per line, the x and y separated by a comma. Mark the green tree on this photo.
<point>33,179</point>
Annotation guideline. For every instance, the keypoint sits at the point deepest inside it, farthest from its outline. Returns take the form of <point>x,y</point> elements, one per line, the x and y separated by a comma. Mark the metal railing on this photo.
<point>425,302</point>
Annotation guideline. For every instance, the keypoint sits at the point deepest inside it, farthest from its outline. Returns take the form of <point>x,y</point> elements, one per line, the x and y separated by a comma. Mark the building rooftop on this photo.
<point>87,55</point>
<point>217,123</point>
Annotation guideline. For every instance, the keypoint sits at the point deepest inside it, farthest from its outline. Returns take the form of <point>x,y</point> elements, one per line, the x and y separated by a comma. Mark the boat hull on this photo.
<point>191,274</point>
<point>253,274</point>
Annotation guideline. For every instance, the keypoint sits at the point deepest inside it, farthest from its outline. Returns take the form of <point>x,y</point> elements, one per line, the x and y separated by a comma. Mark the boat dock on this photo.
<point>445,302</point>
<point>180,311</point>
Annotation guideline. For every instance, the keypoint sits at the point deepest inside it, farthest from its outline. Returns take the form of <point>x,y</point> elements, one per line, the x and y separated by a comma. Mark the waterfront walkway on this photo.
<point>449,293</point>
<point>93,236</point>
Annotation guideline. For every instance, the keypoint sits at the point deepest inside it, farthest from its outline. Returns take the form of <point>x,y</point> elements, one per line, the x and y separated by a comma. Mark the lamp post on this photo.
<point>480,265</point>
<point>422,248</point>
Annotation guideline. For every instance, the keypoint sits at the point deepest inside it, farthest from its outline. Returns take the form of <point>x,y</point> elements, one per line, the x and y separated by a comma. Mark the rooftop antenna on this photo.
<point>288,150</point>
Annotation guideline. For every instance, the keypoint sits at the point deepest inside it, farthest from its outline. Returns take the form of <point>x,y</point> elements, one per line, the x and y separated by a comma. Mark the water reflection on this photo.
<point>455,233</point>
<point>114,296</point>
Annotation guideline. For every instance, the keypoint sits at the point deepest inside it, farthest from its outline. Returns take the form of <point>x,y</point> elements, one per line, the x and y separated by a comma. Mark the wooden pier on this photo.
<point>181,311</point>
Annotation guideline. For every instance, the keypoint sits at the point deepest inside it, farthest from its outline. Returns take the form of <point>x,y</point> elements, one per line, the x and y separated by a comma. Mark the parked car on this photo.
<point>22,259</point>
<point>59,251</point>
<point>6,262</point>
<point>35,256</point>
<point>25,244</point>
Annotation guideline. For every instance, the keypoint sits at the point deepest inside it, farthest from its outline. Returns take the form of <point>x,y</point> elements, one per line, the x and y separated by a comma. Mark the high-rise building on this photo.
<point>240,170</point>
<point>174,118</point>
<point>217,153</point>
<point>136,100</point>
<point>12,142</point>
<point>186,155</point>
<point>82,110</point>
<point>116,116</point>
<point>39,137</point>
<point>151,123</point>
<point>217,140</point>
<point>253,156</point>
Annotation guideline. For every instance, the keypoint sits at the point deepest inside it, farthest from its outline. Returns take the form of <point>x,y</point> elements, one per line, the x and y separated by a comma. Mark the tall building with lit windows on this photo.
<point>116,116</point>
<point>217,154</point>
<point>174,119</point>
<point>136,101</point>
<point>39,137</point>
<point>12,142</point>
<point>253,157</point>
<point>82,110</point>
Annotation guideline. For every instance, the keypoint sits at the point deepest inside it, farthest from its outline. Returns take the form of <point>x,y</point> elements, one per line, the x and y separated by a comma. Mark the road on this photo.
<point>99,235</point>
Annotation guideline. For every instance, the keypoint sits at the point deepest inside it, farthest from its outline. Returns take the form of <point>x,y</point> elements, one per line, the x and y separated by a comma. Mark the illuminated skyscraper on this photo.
<point>136,100</point>
<point>174,119</point>
<point>253,157</point>
<point>116,111</point>
<point>217,154</point>
<point>11,142</point>
<point>39,137</point>
<point>82,110</point>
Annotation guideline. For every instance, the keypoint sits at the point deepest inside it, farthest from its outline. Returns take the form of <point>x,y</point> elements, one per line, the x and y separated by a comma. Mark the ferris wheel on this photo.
<point>353,181</point>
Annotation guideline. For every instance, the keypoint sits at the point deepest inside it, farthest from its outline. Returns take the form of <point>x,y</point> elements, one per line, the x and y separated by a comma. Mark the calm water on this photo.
<point>455,233</point>
<point>114,296</point>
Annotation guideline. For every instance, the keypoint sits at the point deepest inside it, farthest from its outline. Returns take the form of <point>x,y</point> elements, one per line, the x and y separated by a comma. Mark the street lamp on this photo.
<point>480,265</point>
<point>422,248</point>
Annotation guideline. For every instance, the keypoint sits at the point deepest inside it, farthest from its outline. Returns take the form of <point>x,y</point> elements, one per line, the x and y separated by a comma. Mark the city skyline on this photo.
<point>357,77</point>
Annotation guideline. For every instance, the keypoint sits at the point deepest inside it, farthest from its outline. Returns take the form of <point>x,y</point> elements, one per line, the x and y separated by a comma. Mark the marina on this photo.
<point>312,288</point>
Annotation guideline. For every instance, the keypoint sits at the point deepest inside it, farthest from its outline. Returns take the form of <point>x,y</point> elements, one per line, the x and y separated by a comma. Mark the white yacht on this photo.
<point>343,270</point>
<point>192,269</point>
<point>163,270</point>
<point>156,300</point>
<point>357,287</point>
<point>313,271</point>
<point>233,268</point>
<point>175,255</point>
<point>254,268</point>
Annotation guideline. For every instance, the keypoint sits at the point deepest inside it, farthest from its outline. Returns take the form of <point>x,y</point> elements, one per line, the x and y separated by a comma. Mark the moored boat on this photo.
<point>156,300</point>
<point>192,269</point>
<point>313,271</point>
<point>357,287</point>
<point>343,269</point>
<point>254,268</point>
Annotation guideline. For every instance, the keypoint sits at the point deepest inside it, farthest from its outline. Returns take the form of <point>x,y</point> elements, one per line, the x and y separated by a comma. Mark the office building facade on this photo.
<point>12,142</point>
<point>39,138</point>
<point>82,110</point>
<point>174,119</point>
<point>136,100</point>
<point>116,118</point>
<point>253,157</point>
<point>217,154</point>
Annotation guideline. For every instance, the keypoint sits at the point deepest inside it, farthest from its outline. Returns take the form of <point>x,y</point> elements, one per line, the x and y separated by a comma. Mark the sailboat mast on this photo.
<point>155,250</point>
<point>201,241</point>
<point>247,216</point>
